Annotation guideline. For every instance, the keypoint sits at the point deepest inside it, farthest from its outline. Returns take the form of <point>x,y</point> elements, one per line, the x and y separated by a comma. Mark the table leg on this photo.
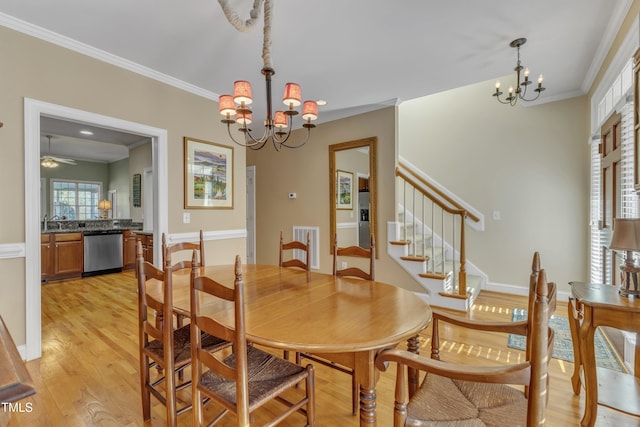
<point>574,325</point>
<point>367,376</point>
<point>587,352</point>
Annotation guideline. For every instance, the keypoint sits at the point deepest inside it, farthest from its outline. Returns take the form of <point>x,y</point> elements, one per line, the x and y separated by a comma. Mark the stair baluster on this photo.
<point>448,210</point>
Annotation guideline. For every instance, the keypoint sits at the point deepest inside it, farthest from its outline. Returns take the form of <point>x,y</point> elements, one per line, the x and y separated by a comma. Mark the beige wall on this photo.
<point>120,180</point>
<point>36,69</point>
<point>305,171</point>
<point>529,163</point>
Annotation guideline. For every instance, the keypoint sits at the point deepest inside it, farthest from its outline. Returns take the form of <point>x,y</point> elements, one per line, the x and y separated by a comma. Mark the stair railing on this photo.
<point>431,208</point>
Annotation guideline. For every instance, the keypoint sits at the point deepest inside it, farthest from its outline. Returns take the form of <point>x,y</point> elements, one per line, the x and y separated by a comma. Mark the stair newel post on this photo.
<point>443,238</point>
<point>422,232</point>
<point>462,286</point>
<point>454,278</point>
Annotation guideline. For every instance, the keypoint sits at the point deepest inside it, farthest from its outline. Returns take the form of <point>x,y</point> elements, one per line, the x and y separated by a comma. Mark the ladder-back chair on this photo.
<point>244,380</point>
<point>295,245</point>
<point>479,395</point>
<point>160,345</point>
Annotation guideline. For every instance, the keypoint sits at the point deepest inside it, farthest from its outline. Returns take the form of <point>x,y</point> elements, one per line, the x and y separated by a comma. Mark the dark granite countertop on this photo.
<point>74,226</point>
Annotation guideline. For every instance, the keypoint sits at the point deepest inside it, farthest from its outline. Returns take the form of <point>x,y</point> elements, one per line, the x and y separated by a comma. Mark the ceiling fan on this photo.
<point>51,161</point>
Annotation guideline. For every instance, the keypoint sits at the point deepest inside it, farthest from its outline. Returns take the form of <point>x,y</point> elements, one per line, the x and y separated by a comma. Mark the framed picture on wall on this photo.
<point>344,190</point>
<point>208,175</point>
<point>137,190</point>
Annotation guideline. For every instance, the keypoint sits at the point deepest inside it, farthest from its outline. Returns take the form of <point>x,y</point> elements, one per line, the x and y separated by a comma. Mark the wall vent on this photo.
<point>300,234</point>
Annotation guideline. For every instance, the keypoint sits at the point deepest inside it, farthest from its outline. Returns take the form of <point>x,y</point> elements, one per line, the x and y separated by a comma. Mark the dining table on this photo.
<point>345,320</point>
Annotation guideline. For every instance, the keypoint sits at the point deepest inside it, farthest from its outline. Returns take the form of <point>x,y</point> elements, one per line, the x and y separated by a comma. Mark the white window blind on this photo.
<point>629,202</point>
<point>596,206</point>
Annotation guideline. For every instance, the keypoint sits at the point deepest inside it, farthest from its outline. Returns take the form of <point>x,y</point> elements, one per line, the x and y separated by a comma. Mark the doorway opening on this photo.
<point>33,111</point>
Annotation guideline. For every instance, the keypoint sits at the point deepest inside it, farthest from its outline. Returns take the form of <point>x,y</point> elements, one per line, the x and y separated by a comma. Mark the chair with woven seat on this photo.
<point>357,252</point>
<point>244,380</point>
<point>471,395</point>
<point>169,251</point>
<point>165,348</point>
<point>295,245</point>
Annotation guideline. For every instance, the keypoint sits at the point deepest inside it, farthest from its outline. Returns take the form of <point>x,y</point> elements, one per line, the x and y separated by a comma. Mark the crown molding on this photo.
<point>27,28</point>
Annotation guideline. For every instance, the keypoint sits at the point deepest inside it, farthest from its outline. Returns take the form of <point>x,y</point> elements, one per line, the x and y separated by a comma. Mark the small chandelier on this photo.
<point>521,86</point>
<point>278,125</point>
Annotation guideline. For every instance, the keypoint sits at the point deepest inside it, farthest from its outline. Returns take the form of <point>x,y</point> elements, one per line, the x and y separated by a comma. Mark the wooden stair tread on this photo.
<point>401,242</point>
<point>438,276</point>
<point>458,296</point>
<point>415,258</point>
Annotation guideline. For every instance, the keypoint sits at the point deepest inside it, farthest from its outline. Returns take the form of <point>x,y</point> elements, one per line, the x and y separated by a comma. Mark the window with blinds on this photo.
<point>615,99</point>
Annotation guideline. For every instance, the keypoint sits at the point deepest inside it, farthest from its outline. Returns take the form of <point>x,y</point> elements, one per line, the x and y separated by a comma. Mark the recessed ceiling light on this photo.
<point>86,132</point>
<point>321,102</point>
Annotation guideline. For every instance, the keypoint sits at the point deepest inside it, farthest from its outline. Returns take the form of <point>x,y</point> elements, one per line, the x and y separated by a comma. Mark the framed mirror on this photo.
<point>353,192</point>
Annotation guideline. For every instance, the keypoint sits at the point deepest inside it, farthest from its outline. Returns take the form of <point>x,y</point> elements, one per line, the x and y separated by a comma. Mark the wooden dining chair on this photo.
<point>358,252</point>
<point>244,380</point>
<point>439,316</point>
<point>160,345</point>
<point>453,394</point>
<point>168,251</point>
<point>186,248</point>
<point>355,252</point>
<point>295,245</point>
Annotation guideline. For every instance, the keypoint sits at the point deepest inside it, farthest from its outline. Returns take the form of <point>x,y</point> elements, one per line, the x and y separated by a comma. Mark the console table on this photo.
<point>592,305</point>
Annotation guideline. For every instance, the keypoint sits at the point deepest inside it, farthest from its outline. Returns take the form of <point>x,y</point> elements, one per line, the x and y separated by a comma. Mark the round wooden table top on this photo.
<point>315,312</point>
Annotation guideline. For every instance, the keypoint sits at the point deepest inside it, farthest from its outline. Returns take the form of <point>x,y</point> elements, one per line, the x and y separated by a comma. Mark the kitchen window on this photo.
<point>75,200</point>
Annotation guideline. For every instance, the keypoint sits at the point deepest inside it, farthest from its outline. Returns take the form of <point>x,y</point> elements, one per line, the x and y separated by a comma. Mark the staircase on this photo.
<point>428,241</point>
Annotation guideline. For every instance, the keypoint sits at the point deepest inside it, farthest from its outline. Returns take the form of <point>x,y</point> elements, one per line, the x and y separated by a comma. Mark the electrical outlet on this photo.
<point>186,217</point>
<point>344,265</point>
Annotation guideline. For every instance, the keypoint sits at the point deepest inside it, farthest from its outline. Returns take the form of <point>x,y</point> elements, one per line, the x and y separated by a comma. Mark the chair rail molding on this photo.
<point>240,233</point>
<point>12,250</point>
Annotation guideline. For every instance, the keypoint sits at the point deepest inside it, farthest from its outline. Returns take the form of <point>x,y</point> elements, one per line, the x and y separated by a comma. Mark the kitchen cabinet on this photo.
<point>62,255</point>
<point>129,240</point>
<point>46,256</point>
<point>147,245</point>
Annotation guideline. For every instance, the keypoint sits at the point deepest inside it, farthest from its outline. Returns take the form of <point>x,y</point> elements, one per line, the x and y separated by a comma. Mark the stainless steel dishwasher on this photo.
<point>102,252</point>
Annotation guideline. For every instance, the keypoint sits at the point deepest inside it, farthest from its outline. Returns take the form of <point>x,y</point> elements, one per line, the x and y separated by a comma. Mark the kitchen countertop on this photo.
<point>74,226</point>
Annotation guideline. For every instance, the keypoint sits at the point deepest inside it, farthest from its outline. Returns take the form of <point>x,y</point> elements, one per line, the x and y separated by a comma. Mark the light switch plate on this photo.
<point>186,217</point>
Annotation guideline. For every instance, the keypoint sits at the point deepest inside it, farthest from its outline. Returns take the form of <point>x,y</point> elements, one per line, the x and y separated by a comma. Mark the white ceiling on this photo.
<point>356,54</point>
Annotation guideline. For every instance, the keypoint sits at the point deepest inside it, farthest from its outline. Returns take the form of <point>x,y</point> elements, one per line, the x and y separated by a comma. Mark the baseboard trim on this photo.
<point>519,290</point>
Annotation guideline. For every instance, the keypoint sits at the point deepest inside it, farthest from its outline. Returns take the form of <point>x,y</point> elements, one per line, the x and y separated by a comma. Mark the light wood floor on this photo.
<point>88,374</point>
